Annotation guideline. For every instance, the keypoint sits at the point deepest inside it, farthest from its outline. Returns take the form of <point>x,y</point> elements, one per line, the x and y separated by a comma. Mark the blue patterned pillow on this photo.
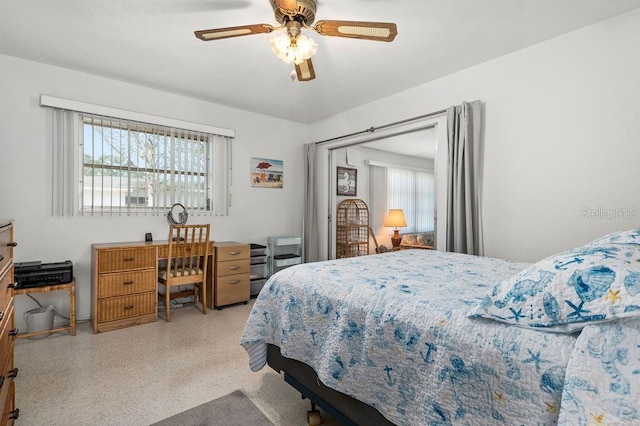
<point>564,292</point>
<point>631,236</point>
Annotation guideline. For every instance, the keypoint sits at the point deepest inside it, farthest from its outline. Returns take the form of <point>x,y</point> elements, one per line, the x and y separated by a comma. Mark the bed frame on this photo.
<point>344,409</point>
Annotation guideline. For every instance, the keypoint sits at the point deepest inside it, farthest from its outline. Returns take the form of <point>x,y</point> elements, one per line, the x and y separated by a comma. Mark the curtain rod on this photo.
<point>373,129</point>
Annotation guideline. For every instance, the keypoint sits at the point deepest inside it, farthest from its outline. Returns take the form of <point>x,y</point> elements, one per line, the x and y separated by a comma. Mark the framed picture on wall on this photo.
<point>347,182</point>
<point>267,173</point>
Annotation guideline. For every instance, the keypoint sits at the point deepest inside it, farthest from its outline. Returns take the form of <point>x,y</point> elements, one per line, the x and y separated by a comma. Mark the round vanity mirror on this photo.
<point>177,214</point>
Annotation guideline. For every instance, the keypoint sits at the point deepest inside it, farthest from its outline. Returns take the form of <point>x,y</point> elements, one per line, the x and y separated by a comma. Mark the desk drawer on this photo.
<point>6,247</point>
<point>6,293</point>
<point>232,267</point>
<point>8,416</point>
<point>115,308</point>
<point>6,336</point>
<point>232,289</point>
<point>225,253</point>
<point>6,378</point>
<point>163,250</point>
<point>126,259</point>
<point>123,283</point>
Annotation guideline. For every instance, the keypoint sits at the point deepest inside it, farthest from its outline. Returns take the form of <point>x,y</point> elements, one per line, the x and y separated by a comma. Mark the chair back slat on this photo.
<point>188,250</point>
<point>188,254</point>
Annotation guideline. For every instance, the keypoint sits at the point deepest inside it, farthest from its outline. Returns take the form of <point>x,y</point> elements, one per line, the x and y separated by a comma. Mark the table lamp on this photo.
<point>395,219</point>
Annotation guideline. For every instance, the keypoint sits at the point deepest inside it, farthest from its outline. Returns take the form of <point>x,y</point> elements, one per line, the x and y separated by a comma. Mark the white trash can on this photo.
<point>40,319</point>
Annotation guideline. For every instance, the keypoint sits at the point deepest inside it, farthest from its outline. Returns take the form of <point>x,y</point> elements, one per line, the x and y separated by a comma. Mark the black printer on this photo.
<point>38,274</point>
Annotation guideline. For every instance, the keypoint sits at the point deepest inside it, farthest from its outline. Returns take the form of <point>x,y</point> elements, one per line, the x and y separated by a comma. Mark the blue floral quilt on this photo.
<point>393,331</point>
<point>602,385</point>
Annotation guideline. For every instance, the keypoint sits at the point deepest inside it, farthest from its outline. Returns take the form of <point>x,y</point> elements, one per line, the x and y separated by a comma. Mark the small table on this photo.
<point>71,288</point>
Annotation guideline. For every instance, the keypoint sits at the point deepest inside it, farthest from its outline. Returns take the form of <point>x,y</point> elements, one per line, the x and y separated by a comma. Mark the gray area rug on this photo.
<point>234,409</point>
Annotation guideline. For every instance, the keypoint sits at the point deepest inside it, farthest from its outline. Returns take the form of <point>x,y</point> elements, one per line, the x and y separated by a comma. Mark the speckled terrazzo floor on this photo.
<point>143,374</point>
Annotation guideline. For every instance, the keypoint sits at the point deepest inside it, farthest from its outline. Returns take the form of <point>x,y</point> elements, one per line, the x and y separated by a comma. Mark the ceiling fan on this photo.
<point>293,46</point>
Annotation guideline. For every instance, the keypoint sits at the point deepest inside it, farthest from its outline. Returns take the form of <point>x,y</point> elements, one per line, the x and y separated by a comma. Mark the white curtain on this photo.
<point>464,224</point>
<point>64,132</point>
<point>221,175</point>
<point>378,204</point>
<point>424,220</point>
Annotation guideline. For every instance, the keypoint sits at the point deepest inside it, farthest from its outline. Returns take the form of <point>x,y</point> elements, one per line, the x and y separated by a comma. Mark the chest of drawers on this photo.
<point>7,330</point>
<point>124,286</point>
<point>231,283</point>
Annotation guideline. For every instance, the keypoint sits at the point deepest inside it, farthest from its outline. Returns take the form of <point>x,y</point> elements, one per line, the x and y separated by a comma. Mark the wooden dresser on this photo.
<point>231,269</point>
<point>124,285</point>
<point>7,330</point>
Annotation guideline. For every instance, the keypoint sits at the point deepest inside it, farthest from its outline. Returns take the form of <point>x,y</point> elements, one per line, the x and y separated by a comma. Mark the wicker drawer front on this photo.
<point>116,308</point>
<point>7,379</point>
<point>6,293</point>
<point>6,250</point>
<point>8,365</point>
<point>6,340</point>
<point>233,252</point>
<point>241,266</point>
<point>126,259</point>
<point>232,289</point>
<point>121,284</point>
<point>8,404</point>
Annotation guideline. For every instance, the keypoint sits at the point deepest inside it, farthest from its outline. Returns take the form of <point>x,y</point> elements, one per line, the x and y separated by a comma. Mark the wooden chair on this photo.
<point>186,264</point>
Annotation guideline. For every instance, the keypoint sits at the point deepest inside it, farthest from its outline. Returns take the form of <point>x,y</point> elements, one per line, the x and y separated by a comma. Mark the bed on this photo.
<point>418,337</point>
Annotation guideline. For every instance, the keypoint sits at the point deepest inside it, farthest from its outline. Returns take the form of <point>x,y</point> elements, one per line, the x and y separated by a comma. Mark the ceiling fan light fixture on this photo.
<point>295,16</point>
<point>295,50</point>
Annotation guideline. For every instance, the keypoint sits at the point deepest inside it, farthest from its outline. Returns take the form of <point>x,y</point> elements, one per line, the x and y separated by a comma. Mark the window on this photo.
<point>102,165</point>
<point>143,167</point>
<point>411,190</point>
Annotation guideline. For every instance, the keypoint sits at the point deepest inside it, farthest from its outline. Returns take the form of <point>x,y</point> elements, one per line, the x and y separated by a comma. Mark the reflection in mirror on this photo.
<point>400,175</point>
<point>177,214</point>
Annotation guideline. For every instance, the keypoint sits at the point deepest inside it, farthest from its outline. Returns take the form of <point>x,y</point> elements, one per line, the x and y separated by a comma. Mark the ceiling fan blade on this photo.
<point>305,71</point>
<point>243,30</point>
<point>379,31</point>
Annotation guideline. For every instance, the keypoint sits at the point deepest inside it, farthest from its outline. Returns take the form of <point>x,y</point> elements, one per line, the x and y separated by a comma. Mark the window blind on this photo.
<point>395,188</point>
<point>127,167</point>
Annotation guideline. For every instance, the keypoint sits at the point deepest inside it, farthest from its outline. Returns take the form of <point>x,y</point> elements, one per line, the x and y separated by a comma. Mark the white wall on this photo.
<point>562,136</point>
<point>24,171</point>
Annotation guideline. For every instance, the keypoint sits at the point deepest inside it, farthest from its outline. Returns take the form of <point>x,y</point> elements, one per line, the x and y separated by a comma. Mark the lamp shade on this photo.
<point>395,219</point>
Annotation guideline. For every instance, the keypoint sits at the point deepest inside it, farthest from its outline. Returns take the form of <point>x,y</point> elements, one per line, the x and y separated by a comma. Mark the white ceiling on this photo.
<point>420,143</point>
<point>151,42</point>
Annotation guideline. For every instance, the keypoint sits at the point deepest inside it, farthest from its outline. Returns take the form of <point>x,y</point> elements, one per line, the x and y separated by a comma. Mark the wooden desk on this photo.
<point>124,282</point>
<point>71,289</point>
<point>162,246</point>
